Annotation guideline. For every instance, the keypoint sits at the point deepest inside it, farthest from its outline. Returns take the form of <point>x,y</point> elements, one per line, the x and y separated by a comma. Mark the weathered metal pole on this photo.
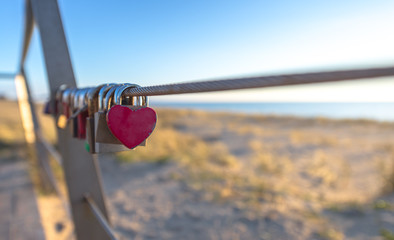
<point>37,155</point>
<point>80,167</point>
<point>31,126</point>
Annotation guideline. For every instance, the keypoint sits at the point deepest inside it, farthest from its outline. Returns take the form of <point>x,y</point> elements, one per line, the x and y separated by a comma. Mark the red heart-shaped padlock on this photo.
<point>131,126</point>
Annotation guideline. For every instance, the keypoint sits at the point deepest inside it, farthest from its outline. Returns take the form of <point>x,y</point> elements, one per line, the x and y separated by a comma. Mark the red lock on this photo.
<point>81,106</point>
<point>81,118</point>
<point>65,102</point>
<point>66,109</point>
<point>131,124</point>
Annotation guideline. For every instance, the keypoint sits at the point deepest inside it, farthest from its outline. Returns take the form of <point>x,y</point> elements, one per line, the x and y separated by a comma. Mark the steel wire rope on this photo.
<point>259,82</point>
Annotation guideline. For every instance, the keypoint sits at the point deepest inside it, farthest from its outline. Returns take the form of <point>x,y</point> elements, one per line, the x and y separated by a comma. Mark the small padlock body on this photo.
<point>74,127</point>
<point>109,148</point>
<point>55,108</point>
<point>102,132</point>
<point>90,134</point>
<point>81,124</point>
<point>104,141</point>
<point>66,110</point>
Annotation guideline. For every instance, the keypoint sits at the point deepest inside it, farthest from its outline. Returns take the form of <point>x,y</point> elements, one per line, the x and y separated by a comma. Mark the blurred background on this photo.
<point>151,42</point>
<point>297,162</point>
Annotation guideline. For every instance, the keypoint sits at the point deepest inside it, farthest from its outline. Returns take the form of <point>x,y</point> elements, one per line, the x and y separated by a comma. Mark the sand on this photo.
<point>324,179</point>
<point>233,176</point>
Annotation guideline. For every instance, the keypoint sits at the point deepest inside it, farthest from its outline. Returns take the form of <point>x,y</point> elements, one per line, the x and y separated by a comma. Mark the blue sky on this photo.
<point>157,42</point>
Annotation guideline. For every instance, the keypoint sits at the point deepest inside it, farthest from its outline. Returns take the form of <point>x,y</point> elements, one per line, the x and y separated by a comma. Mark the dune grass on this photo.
<point>294,165</point>
<point>289,162</point>
<point>195,140</point>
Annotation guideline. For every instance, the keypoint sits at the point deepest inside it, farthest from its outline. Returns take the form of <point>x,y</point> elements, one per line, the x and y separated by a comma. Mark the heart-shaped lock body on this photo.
<point>104,140</point>
<point>131,126</point>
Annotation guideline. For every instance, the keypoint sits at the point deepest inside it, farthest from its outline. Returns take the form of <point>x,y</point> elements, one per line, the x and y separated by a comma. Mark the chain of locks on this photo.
<point>103,117</point>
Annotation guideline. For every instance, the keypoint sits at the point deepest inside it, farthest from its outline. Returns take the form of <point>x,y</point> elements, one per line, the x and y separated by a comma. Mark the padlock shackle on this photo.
<point>60,91</point>
<point>119,91</point>
<point>109,96</point>
<point>91,99</point>
<point>102,94</point>
<point>66,94</point>
<point>76,99</point>
<point>140,101</point>
<point>84,98</point>
<point>81,97</point>
<point>71,98</point>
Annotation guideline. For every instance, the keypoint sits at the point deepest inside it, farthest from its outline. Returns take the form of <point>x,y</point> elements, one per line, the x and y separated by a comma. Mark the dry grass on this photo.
<point>267,172</point>
<point>328,170</point>
<point>11,131</point>
<point>385,166</point>
<point>299,137</point>
<point>289,164</point>
<point>208,166</point>
<point>203,151</point>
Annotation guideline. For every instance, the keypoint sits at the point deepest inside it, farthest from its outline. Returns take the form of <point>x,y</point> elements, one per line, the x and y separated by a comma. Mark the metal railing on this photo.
<point>83,181</point>
<point>80,168</point>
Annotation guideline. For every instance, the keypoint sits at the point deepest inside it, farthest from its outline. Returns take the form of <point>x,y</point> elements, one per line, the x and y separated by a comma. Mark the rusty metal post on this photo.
<point>80,167</point>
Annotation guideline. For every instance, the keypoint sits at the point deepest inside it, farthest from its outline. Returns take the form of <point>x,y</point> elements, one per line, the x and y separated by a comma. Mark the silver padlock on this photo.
<point>73,107</point>
<point>76,105</point>
<point>91,99</point>
<point>105,141</point>
<point>64,108</point>
<point>102,133</point>
<point>57,105</point>
<point>82,113</point>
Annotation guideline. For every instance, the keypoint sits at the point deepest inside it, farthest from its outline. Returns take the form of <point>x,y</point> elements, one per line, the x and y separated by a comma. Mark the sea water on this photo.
<point>373,111</point>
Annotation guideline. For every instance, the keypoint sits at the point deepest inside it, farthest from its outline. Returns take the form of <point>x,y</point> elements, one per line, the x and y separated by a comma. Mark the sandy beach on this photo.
<point>237,176</point>
<point>254,177</point>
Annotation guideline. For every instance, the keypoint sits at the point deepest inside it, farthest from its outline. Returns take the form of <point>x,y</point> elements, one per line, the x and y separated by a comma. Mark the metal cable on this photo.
<point>259,82</point>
